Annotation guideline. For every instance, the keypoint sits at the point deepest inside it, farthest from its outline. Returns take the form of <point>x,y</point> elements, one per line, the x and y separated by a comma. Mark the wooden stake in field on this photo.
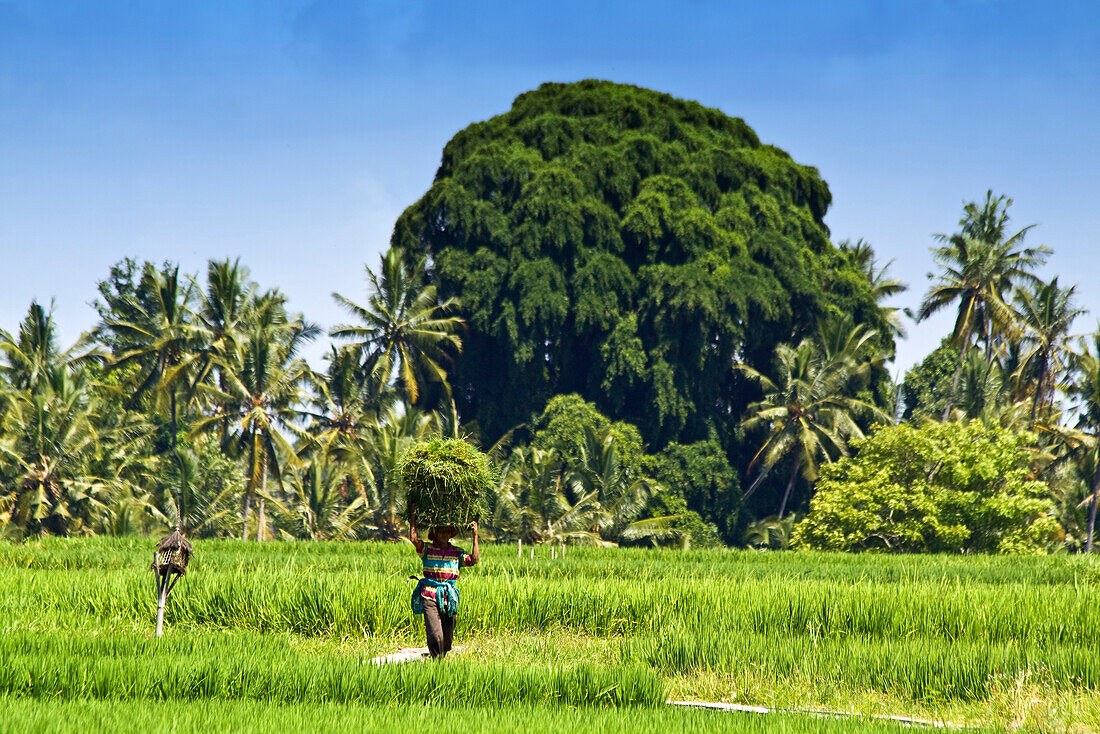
<point>169,564</point>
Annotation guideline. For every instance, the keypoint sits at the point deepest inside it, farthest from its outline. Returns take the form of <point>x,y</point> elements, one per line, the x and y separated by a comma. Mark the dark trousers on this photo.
<point>440,629</point>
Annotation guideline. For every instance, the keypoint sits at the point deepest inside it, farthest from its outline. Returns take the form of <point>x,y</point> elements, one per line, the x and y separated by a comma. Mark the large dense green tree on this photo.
<point>928,383</point>
<point>566,422</point>
<point>627,246</point>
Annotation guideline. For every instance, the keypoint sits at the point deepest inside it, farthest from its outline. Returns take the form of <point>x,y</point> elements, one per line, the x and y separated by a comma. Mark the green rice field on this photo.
<point>265,636</point>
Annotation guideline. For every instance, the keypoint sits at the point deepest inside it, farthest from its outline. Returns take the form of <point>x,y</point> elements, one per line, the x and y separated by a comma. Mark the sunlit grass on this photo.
<point>22,716</point>
<point>1013,641</point>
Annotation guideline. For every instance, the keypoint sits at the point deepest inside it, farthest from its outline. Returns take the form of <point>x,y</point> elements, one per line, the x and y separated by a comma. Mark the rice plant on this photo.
<point>927,629</point>
<point>264,668</point>
<point>445,479</point>
<point>28,715</point>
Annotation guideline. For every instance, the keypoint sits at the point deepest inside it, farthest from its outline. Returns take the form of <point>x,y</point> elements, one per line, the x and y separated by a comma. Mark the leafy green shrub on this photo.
<point>566,421</point>
<point>445,479</point>
<point>942,487</point>
<point>928,384</point>
<point>701,474</point>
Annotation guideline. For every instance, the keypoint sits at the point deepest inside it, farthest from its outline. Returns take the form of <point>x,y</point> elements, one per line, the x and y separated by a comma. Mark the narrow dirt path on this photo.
<point>408,655</point>
<point>742,708</point>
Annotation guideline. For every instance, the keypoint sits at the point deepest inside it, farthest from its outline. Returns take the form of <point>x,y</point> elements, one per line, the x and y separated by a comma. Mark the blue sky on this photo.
<point>292,133</point>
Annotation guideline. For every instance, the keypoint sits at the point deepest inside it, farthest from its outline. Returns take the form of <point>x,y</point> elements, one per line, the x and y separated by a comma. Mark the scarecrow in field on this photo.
<point>436,596</point>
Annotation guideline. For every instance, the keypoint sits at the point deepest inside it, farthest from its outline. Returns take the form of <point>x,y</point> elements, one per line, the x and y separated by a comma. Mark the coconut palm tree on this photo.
<point>263,394</point>
<point>325,506</point>
<point>201,500</point>
<point>854,348</point>
<point>985,394</point>
<point>49,441</point>
<point>980,388</point>
<point>404,332</point>
<point>883,285</point>
<point>1068,456</point>
<point>616,492</point>
<point>1011,356</point>
<point>158,342</point>
<point>807,411</point>
<point>770,532</point>
<point>31,357</point>
<point>63,453</point>
<point>539,499</point>
<point>346,414</point>
<point>224,313</point>
<point>526,498</point>
<point>397,430</point>
<point>1090,467</point>
<point>1046,314</point>
<point>979,267</point>
<point>1087,391</point>
<point>345,410</point>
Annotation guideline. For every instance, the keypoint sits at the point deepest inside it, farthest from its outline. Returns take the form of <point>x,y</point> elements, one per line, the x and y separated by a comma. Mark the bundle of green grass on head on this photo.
<point>445,481</point>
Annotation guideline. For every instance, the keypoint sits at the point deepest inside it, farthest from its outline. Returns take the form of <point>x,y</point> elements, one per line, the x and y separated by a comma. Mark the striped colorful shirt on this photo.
<point>442,564</point>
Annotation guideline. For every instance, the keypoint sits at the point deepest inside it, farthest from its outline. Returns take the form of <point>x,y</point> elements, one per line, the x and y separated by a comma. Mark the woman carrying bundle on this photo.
<point>436,596</point>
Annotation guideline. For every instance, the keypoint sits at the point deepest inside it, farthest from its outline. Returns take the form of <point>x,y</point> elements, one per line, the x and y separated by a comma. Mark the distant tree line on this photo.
<point>633,304</point>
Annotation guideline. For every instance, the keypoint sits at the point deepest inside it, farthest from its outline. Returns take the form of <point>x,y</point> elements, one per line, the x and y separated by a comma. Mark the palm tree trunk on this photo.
<point>1038,393</point>
<point>247,505</point>
<point>759,478</point>
<point>955,383</point>
<point>174,419</point>
<point>391,510</point>
<point>790,485</point>
<point>223,429</point>
<point>1092,506</point>
<point>261,526</point>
